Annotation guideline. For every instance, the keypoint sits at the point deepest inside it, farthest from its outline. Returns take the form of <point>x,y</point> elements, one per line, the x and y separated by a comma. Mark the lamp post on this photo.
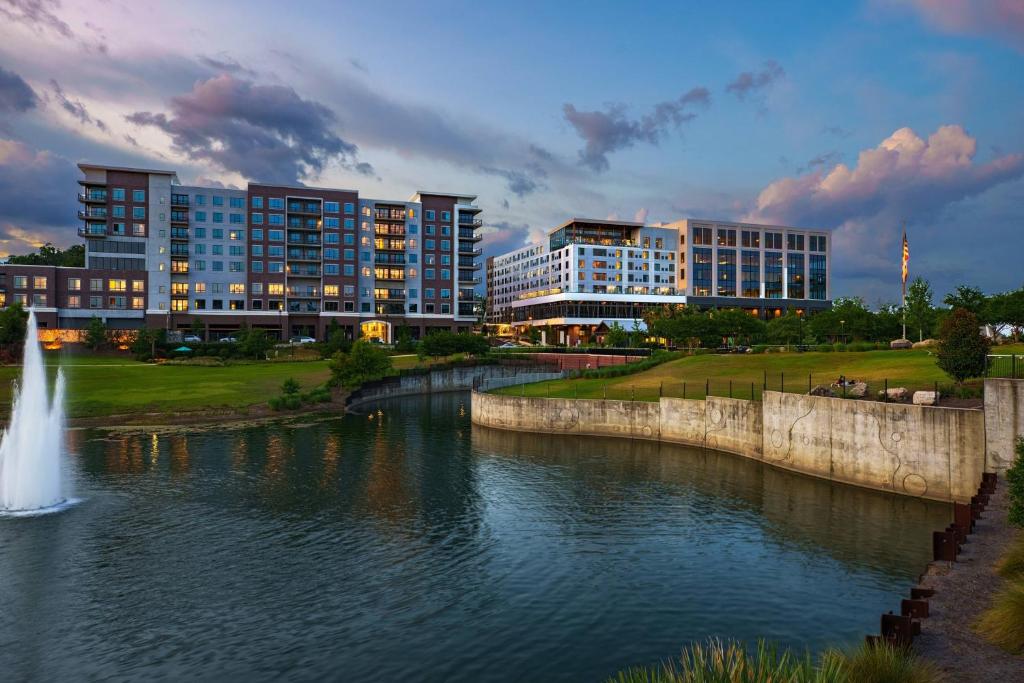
<point>842,327</point>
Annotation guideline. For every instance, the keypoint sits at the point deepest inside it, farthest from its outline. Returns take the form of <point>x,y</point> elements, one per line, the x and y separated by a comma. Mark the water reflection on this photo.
<point>415,545</point>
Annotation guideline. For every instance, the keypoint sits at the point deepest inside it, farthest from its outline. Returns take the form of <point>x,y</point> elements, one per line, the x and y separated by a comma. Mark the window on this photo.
<point>257,219</point>
<point>332,222</point>
<point>21,282</point>
<point>218,217</point>
<point>794,242</point>
<point>257,250</point>
<point>235,266</point>
<point>201,199</point>
<point>200,233</point>
<point>138,285</point>
<point>276,219</point>
<point>256,267</point>
<point>350,224</point>
<point>446,215</point>
<point>430,214</point>
<point>726,238</point>
<point>331,207</point>
<point>74,283</point>
<point>218,266</point>
<point>276,203</point>
<point>331,269</point>
<point>236,218</point>
<point>138,302</point>
<point>702,271</point>
<point>350,208</point>
<point>218,233</point>
<point>348,269</point>
<point>257,202</point>
<point>138,195</point>
<point>275,289</point>
<point>256,234</point>
<point>200,304</point>
<point>818,275</point>
<point>751,265</point>
<point>751,239</point>
<point>179,304</point>
<point>702,236</point>
<point>217,249</point>
<point>117,285</point>
<point>275,251</point>
<point>236,288</point>
<point>39,282</point>
<point>431,230</point>
<point>95,302</point>
<point>234,234</point>
<point>117,194</point>
<point>795,264</point>
<point>330,290</point>
<point>236,202</point>
<point>218,200</point>
<point>74,301</point>
<point>349,238</point>
<point>773,240</point>
<point>201,216</point>
<point>116,302</point>
<point>139,229</point>
<point>138,212</point>
<point>199,248</point>
<point>331,253</point>
<point>350,254</point>
<point>817,243</point>
<point>200,265</point>
<point>275,267</point>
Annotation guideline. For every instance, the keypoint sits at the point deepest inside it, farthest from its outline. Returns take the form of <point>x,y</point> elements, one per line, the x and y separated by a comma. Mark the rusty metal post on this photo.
<point>730,388</point>
<point>782,382</point>
<point>809,387</point>
<point>944,546</point>
<point>661,389</point>
<point>764,387</point>
<point>605,388</point>
<point>885,393</point>
<point>707,388</point>
<point>751,391</point>
<point>935,388</point>
<point>684,390</point>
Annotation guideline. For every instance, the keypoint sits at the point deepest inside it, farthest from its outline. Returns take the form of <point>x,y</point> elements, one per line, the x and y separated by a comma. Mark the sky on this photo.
<point>848,116</point>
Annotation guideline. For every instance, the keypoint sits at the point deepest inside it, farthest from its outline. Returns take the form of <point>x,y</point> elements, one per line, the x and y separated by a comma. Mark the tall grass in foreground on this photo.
<point>1002,624</point>
<point>729,662</point>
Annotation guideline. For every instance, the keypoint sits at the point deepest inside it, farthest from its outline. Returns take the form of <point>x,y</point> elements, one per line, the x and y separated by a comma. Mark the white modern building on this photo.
<point>589,274</point>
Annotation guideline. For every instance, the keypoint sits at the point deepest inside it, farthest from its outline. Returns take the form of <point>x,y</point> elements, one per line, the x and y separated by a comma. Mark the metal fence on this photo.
<point>1008,366</point>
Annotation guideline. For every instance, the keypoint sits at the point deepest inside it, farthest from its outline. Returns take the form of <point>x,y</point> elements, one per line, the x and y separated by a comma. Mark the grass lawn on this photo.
<point>911,369</point>
<point>103,385</point>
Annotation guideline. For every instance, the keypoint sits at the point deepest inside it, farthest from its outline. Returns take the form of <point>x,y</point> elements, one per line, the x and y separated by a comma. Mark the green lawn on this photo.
<point>747,372</point>
<point>102,385</point>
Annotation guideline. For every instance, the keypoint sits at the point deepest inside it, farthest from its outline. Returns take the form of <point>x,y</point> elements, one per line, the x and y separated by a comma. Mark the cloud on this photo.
<point>750,82</point>
<point>520,183</point>
<point>39,205</point>
<point>76,108</point>
<point>999,19</point>
<point>837,131</point>
<point>15,94</point>
<point>823,159</point>
<point>40,16</point>
<point>501,237</point>
<point>903,178</point>
<point>225,64</point>
<point>611,130</point>
<point>264,132</point>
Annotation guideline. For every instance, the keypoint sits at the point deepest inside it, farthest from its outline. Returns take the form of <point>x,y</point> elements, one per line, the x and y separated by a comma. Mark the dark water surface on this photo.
<point>416,546</point>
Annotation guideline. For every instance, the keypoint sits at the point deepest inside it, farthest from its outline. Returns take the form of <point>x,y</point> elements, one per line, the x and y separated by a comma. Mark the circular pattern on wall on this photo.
<point>897,437</point>
<point>716,416</point>
<point>777,438</point>
<point>915,484</point>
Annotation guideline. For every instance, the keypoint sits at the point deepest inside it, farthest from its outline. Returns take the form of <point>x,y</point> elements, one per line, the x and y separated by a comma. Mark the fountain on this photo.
<point>31,480</point>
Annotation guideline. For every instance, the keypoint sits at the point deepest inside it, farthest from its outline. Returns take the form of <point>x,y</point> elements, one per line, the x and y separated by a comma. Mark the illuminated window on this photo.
<point>236,288</point>
<point>74,283</point>
<point>74,301</point>
<point>138,302</point>
<point>330,290</point>
<point>138,285</point>
<point>275,288</point>
<point>179,304</point>
<point>39,282</point>
<point>117,285</point>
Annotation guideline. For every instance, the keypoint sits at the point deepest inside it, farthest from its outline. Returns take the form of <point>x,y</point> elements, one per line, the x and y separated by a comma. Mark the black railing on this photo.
<point>1005,366</point>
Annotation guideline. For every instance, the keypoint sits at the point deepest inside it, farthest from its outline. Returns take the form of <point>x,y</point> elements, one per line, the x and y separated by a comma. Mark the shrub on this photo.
<point>364,363</point>
<point>1011,565</point>
<point>1015,480</point>
<point>839,347</point>
<point>1002,624</point>
<point>882,664</point>
<point>760,348</point>
<point>824,348</point>
<point>962,348</point>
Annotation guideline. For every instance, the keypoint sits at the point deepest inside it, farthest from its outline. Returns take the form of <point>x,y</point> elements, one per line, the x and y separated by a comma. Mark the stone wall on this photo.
<point>935,453</point>
<point>1004,421</point>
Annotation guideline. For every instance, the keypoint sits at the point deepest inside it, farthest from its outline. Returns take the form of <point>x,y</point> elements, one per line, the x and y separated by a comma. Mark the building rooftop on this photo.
<point>126,169</point>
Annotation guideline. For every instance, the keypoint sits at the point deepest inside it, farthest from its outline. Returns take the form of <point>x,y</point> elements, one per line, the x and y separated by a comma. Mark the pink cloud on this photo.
<point>1003,19</point>
<point>905,177</point>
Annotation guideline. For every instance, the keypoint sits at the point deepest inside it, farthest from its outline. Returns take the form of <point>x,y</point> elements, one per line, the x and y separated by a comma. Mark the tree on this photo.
<point>96,334</point>
<point>337,341</point>
<point>403,340</point>
<point>254,343</point>
<point>1008,309</point>
<point>616,337</point>
<point>49,255</point>
<point>848,319</point>
<point>364,363</point>
<point>969,298</point>
<point>13,324</point>
<point>962,347</point>
<point>199,328</point>
<point>738,325</point>
<point>785,329</point>
<point>920,310</point>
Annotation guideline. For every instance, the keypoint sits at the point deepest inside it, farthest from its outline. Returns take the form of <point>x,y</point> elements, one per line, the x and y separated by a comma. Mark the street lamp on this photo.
<point>842,327</point>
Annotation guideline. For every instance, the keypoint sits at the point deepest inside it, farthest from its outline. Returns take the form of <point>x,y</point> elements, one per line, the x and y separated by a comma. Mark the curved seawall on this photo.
<point>935,453</point>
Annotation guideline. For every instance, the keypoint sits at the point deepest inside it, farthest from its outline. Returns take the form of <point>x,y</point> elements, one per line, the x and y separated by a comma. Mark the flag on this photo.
<point>906,255</point>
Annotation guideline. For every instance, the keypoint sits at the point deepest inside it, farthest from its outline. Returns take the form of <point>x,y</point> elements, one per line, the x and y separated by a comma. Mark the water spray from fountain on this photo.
<point>31,450</point>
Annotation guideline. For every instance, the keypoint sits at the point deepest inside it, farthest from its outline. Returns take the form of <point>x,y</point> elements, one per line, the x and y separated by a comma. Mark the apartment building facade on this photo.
<point>590,274</point>
<point>286,259</point>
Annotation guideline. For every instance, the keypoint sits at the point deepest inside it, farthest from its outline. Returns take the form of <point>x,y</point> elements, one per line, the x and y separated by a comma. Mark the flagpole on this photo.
<point>903,276</point>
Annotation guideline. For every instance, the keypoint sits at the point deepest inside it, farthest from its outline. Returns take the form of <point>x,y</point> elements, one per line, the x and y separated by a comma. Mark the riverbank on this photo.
<point>963,590</point>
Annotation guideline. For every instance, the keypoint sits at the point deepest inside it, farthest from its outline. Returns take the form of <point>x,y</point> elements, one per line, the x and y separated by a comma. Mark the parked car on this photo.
<point>302,340</point>
<point>191,339</point>
<point>509,345</point>
<point>723,349</point>
<point>228,340</point>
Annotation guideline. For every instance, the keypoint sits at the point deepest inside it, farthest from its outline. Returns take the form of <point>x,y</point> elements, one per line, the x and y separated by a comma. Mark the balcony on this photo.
<point>303,307</point>
<point>303,271</point>
<point>92,214</point>
<point>390,309</point>
<point>92,231</point>
<point>469,250</point>
<point>179,233</point>
<point>466,280</point>
<point>300,255</point>
<point>469,264</point>
<point>390,259</point>
<point>389,230</point>
<point>93,197</point>
<point>179,216</point>
<point>467,222</point>
<point>179,200</point>
<point>469,235</point>
<point>308,224</point>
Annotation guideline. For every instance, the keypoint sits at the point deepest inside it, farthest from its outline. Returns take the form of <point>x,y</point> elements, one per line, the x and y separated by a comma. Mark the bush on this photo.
<point>1015,481</point>
<point>839,347</point>
<point>824,348</point>
<point>1011,565</point>
<point>1002,624</point>
<point>962,348</point>
<point>730,662</point>
<point>364,363</point>
<point>759,348</point>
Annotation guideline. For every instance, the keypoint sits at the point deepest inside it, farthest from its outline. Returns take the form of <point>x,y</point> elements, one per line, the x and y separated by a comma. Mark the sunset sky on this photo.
<point>851,116</point>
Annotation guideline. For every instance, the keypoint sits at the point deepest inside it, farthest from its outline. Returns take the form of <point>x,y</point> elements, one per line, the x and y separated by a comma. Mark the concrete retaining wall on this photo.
<point>1004,421</point>
<point>936,453</point>
<point>447,379</point>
